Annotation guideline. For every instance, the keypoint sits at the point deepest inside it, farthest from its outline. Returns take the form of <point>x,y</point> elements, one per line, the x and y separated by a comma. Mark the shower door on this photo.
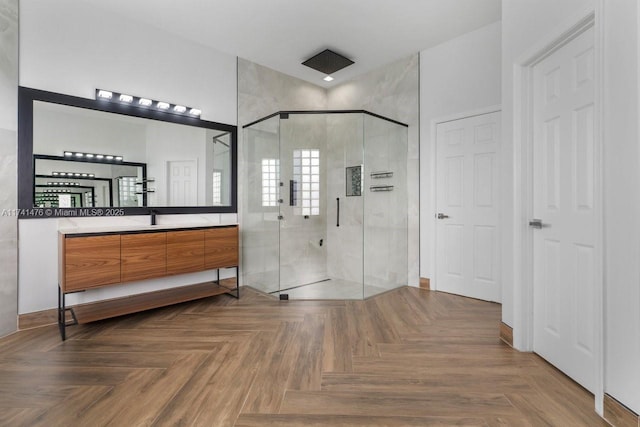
<point>321,226</point>
<point>325,207</point>
<point>303,219</point>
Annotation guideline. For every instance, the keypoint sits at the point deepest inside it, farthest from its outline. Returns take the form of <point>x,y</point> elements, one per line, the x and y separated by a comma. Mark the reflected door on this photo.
<point>183,183</point>
<point>467,232</point>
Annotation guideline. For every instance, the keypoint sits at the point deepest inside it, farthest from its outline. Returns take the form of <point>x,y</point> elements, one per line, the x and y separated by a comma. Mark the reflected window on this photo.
<point>217,188</point>
<point>270,173</point>
<point>306,172</point>
<point>127,191</point>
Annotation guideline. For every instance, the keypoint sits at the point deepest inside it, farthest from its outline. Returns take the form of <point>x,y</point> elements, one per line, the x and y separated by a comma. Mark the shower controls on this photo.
<point>442,216</point>
<point>280,217</point>
<point>321,242</point>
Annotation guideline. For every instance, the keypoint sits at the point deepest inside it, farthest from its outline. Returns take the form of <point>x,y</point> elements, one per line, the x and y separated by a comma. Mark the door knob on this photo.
<point>442,216</point>
<point>535,223</point>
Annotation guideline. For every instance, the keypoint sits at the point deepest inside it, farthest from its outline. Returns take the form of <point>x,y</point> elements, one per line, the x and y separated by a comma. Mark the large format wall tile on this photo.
<point>8,153</point>
<point>392,91</point>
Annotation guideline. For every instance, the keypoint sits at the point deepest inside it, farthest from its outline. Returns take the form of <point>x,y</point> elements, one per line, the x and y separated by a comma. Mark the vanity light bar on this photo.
<point>73,174</point>
<point>63,184</point>
<point>126,99</point>
<point>56,191</point>
<point>111,158</point>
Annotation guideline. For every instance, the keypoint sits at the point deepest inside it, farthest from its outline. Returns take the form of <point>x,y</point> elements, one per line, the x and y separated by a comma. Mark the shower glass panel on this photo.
<point>261,207</point>
<point>385,206</point>
<point>325,206</point>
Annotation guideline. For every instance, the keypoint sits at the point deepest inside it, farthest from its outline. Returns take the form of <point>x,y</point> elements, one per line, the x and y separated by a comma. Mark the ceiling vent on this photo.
<point>328,62</point>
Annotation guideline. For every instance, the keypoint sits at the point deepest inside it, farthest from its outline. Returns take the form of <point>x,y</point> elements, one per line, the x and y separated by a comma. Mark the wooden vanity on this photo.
<point>90,260</point>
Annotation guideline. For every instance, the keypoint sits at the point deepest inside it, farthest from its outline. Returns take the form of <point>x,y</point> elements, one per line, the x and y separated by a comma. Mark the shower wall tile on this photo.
<point>8,157</point>
<point>392,91</point>
<point>261,92</point>
<point>344,244</point>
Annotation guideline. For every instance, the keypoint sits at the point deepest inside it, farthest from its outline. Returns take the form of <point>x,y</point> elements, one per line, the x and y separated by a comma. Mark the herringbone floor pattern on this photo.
<point>405,358</point>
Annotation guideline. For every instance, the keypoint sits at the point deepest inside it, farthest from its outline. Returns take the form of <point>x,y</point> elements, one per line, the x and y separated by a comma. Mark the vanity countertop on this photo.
<point>133,229</point>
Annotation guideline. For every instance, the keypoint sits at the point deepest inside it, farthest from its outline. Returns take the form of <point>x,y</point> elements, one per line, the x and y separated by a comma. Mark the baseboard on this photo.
<point>425,283</point>
<point>506,333</point>
<point>619,415</point>
<point>37,319</point>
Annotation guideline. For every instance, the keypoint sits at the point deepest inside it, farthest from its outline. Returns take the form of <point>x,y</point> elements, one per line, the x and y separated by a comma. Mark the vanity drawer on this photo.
<point>221,247</point>
<point>144,256</point>
<point>185,251</point>
<point>89,262</point>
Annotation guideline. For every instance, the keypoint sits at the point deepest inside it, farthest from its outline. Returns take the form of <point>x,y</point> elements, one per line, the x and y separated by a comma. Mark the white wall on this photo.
<point>622,203</point>
<point>73,48</point>
<point>456,77</point>
<point>525,24</point>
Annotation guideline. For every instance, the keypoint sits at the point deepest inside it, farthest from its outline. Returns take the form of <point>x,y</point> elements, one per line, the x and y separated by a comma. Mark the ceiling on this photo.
<point>281,34</point>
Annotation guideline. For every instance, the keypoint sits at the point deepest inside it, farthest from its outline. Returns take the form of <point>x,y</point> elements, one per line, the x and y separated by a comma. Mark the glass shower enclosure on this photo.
<point>324,209</point>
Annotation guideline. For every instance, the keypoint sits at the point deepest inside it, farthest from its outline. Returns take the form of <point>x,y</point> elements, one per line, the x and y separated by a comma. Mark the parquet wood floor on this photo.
<point>406,358</point>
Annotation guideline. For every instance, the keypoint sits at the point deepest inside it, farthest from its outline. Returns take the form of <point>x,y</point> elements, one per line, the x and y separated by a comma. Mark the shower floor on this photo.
<point>331,289</point>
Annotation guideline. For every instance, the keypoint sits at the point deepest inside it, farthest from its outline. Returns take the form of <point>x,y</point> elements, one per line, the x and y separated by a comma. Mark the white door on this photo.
<point>467,202</point>
<point>183,183</point>
<point>565,200</point>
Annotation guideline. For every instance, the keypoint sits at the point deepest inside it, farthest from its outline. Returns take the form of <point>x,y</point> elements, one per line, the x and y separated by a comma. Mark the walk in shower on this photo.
<point>324,209</point>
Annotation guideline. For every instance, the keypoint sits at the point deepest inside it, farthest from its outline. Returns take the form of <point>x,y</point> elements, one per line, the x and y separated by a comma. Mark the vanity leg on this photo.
<point>237,283</point>
<point>61,314</point>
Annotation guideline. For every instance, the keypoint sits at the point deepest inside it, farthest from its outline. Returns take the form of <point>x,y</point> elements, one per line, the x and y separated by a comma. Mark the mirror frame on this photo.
<point>26,167</point>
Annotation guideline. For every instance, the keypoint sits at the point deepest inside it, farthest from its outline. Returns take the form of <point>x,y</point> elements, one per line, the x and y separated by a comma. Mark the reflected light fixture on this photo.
<point>328,79</point>
<point>146,103</point>
<point>73,174</point>
<point>110,158</point>
<point>105,94</point>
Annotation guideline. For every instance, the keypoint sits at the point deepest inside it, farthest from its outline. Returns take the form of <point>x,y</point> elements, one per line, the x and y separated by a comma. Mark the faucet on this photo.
<point>153,216</point>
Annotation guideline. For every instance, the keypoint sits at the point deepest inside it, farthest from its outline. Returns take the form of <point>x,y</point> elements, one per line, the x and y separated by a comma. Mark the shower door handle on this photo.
<point>292,192</point>
<point>338,212</point>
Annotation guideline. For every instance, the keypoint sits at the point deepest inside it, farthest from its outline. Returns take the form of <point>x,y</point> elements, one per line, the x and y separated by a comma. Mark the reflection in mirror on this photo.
<point>162,163</point>
<point>105,185</point>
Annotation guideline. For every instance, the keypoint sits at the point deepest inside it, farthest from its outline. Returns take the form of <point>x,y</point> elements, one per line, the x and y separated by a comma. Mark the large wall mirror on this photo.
<point>82,157</point>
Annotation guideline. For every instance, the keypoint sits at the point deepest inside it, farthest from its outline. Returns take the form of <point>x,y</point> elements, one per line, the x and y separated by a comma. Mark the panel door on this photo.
<point>467,204</point>
<point>185,251</point>
<point>183,183</point>
<point>564,188</point>
<point>143,256</point>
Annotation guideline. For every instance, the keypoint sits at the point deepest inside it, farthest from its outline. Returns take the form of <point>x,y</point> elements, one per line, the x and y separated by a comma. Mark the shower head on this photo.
<point>327,62</point>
